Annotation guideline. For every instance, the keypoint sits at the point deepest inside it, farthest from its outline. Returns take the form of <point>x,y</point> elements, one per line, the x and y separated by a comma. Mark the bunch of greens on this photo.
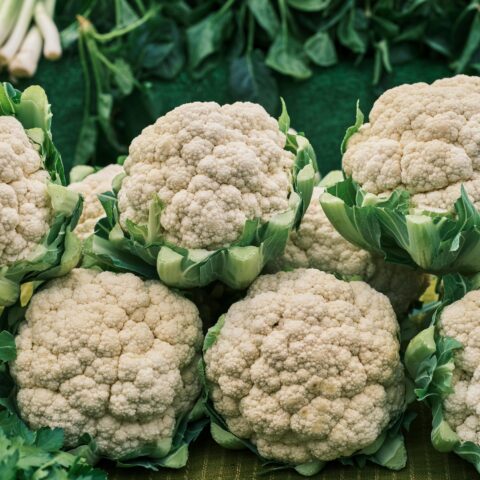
<point>143,40</point>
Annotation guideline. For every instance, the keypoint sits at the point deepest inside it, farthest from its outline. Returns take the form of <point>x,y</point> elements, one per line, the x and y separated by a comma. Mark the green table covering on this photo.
<point>208,461</point>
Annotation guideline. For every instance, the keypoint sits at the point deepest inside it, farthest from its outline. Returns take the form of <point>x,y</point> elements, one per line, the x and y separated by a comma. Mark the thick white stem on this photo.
<point>52,48</point>
<point>18,34</point>
<point>25,62</point>
<point>8,16</point>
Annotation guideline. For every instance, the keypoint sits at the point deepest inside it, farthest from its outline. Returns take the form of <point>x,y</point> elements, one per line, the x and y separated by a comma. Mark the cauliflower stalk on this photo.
<point>122,369</point>
<point>444,362</point>
<point>305,370</point>
<point>90,184</point>
<point>316,244</point>
<point>413,185</point>
<point>210,193</point>
<point>37,212</point>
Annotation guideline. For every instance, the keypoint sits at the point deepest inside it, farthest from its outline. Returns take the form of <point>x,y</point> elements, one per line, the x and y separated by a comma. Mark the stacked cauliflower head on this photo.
<point>461,321</point>
<point>213,168</point>
<point>25,209</point>
<point>90,187</point>
<point>307,367</point>
<point>316,244</point>
<point>110,355</point>
<point>423,138</point>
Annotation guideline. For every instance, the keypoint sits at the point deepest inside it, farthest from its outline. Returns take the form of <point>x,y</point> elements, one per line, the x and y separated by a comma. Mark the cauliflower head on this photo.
<point>316,244</point>
<point>110,355</point>
<point>461,321</point>
<point>90,187</point>
<point>26,212</point>
<point>307,367</point>
<point>423,138</point>
<point>212,167</point>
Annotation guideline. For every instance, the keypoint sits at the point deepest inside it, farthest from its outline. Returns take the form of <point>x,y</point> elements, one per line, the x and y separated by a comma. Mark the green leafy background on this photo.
<point>322,106</point>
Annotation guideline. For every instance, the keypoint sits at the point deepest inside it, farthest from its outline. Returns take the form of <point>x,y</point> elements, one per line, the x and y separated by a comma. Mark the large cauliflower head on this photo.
<point>213,167</point>
<point>90,187</point>
<point>423,138</point>
<point>307,367</point>
<point>110,355</point>
<point>25,208</point>
<point>461,321</point>
<point>316,244</point>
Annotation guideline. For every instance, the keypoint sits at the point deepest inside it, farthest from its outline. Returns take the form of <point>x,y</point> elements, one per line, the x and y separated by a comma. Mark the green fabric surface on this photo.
<point>323,106</point>
<point>208,461</point>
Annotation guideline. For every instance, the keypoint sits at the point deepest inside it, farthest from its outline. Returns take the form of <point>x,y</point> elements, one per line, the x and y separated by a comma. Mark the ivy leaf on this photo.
<point>206,37</point>
<point>265,15</point>
<point>321,50</point>
<point>310,5</point>
<point>286,56</point>
<point>8,351</point>
<point>251,80</point>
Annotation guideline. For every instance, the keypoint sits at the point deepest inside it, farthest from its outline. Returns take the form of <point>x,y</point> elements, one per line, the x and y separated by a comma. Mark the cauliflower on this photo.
<point>413,185</point>
<point>110,355</point>
<point>444,362</point>
<point>217,188</point>
<point>26,213</point>
<point>37,212</point>
<point>316,244</point>
<point>461,321</point>
<point>307,367</point>
<point>90,187</point>
<point>423,138</point>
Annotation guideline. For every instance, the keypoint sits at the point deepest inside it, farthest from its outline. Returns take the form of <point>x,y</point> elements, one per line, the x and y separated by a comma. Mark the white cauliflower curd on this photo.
<point>25,209</point>
<point>307,367</point>
<point>423,138</point>
<point>90,187</point>
<point>212,167</point>
<point>110,355</point>
<point>316,244</point>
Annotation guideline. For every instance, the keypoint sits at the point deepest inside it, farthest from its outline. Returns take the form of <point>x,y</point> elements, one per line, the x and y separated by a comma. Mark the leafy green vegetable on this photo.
<point>388,451</point>
<point>143,250</point>
<point>435,242</point>
<point>154,39</point>
<point>54,253</point>
<point>429,359</point>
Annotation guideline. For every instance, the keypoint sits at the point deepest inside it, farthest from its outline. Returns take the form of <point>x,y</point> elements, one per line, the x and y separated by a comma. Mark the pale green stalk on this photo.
<point>17,35</point>
<point>25,62</point>
<point>8,16</point>
<point>43,15</point>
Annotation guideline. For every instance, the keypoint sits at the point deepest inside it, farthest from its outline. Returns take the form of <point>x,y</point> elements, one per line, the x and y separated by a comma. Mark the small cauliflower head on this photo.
<point>110,355</point>
<point>213,168</point>
<point>307,367</point>
<point>316,244</point>
<point>25,209</point>
<point>461,321</point>
<point>90,187</point>
<point>423,138</point>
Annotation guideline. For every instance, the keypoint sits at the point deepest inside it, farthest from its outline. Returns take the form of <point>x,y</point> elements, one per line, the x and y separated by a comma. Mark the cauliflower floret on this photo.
<point>316,244</point>
<point>90,187</point>
<point>307,367</point>
<point>213,167</point>
<point>25,209</point>
<point>110,355</point>
<point>461,321</point>
<point>423,138</point>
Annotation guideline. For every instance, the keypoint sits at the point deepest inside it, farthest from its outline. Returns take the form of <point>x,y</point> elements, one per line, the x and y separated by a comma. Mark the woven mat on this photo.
<point>208,461</point>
